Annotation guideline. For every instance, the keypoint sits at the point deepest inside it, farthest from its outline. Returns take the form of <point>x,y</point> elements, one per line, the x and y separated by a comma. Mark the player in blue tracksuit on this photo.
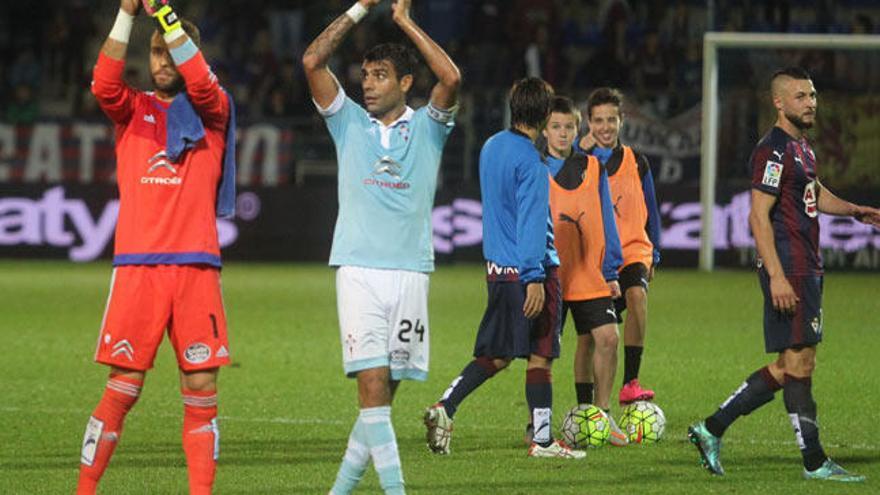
<point>525,302</point>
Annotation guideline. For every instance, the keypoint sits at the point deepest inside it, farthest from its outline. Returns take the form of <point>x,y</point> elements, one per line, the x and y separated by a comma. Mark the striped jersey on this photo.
<point>786,168</point>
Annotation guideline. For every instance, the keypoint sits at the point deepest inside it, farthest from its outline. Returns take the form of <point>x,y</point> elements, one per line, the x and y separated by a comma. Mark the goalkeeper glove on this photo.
<point>166,18</point>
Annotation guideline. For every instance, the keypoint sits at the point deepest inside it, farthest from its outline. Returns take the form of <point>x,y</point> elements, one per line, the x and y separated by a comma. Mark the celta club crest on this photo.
<point>387,165</point>
<point>160,160</point>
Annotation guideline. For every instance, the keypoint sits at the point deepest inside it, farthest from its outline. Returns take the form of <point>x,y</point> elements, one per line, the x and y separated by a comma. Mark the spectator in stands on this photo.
<point>24,107</point>
<point>858,70</point>
<point>653,73</point>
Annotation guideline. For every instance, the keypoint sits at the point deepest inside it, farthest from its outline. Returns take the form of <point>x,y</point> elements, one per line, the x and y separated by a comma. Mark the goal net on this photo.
<point>737,111</point>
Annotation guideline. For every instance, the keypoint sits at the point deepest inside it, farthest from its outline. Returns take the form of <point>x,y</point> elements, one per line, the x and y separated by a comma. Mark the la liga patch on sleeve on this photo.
<point>772,174</point>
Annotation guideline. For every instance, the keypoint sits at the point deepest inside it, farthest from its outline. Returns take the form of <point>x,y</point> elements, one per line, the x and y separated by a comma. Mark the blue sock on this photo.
<point>798,396</point>
<point>472,376</point>
<point>758,389</point>
<point>539,395</point>
<point>354,463</point>
<point>383,448</point>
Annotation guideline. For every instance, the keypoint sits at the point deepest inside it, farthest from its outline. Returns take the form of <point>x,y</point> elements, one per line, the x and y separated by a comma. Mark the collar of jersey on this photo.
<point>406,117</point>
<point>157,103</point>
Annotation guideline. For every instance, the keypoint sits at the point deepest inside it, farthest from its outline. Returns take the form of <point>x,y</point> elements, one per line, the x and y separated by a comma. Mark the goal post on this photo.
<point>712,42</point>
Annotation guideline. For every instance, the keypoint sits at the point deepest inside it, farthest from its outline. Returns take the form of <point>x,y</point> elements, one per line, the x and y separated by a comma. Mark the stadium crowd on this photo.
<point>651,49</point>
<point>47,54</point>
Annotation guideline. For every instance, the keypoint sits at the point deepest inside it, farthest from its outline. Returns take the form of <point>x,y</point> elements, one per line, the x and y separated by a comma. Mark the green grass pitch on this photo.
<point>286,410</point>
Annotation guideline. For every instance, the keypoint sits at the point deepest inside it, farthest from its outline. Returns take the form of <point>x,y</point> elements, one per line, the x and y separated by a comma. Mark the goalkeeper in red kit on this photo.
<point>175,171</point>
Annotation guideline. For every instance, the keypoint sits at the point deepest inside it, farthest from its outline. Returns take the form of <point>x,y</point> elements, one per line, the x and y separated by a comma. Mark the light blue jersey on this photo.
<point>387,180</point>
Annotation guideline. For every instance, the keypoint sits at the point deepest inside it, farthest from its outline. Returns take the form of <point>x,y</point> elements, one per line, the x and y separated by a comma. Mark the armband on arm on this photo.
<point>167,20</point>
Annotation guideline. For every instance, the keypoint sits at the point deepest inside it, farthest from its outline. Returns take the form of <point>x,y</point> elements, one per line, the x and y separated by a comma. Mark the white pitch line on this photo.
<point>324,421</point>
<point>234,419</point>
<point>771,443</point>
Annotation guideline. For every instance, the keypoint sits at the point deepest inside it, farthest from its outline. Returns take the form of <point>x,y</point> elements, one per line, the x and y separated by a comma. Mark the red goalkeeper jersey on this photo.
<point>166,210</point>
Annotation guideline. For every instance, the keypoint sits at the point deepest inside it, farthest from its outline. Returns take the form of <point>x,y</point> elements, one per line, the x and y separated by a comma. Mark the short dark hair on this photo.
<point>530,100</point>
<point>565,105</point>
<point>603,96</point>
<point>401,57</point>
<point>191,30</point>
<point>793,72</point>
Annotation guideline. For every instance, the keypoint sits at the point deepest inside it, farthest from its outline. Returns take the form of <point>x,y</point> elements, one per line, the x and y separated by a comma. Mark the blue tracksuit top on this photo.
<point>515,188</point>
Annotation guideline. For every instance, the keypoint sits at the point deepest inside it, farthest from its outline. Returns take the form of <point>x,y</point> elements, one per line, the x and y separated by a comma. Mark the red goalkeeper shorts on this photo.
<point>145,301</point>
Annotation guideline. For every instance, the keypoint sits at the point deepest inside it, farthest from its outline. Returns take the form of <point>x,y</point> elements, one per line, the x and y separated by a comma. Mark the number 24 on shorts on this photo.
<point>406,326</point>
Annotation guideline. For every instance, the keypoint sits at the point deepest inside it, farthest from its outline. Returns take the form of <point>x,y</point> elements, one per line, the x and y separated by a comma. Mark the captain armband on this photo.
<point>441,115</point>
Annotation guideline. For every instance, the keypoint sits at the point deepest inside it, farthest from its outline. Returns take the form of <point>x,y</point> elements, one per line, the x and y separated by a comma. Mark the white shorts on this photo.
<point>383,321</point>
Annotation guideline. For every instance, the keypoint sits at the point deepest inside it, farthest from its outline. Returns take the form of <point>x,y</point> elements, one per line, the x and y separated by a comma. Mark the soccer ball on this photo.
<point>643,422</point>
<point>585,426</point>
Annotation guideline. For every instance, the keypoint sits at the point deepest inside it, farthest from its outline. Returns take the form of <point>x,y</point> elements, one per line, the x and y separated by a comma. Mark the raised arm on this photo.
<point>445,93</point>
<point>832,205</point>
<point>202,87</point>
<point>322,83</point>
<point>113,95</point>
<point>116,44</point>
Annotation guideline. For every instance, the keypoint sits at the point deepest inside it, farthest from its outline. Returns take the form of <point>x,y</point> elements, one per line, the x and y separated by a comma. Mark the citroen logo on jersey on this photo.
<point>157,162</point>
<point>387,165</point>
<point>160,160</point>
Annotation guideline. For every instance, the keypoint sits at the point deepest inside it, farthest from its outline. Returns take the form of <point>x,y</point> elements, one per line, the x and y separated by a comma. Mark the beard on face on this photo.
<point>798,121</point>
<point>175,86</point>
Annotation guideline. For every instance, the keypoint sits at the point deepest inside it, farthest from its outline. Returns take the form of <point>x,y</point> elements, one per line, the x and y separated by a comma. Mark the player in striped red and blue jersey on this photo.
<point>787,198</point>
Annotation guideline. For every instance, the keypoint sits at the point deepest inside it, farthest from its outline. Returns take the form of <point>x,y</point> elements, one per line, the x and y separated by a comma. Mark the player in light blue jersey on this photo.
<point>388,156</point>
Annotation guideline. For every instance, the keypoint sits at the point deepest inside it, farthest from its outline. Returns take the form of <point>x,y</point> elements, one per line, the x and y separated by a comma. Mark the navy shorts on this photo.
<point>803,328</point>
<point>506,333</point>
<point>590,314</point>
<point>632,275</point>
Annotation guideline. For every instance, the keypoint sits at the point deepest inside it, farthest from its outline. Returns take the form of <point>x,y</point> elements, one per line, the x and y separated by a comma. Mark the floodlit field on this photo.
<point>286,410</point>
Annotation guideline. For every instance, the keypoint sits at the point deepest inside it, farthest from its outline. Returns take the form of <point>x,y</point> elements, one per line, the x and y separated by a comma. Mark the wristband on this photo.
<point>121,31</point>
<point>356,12</point>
